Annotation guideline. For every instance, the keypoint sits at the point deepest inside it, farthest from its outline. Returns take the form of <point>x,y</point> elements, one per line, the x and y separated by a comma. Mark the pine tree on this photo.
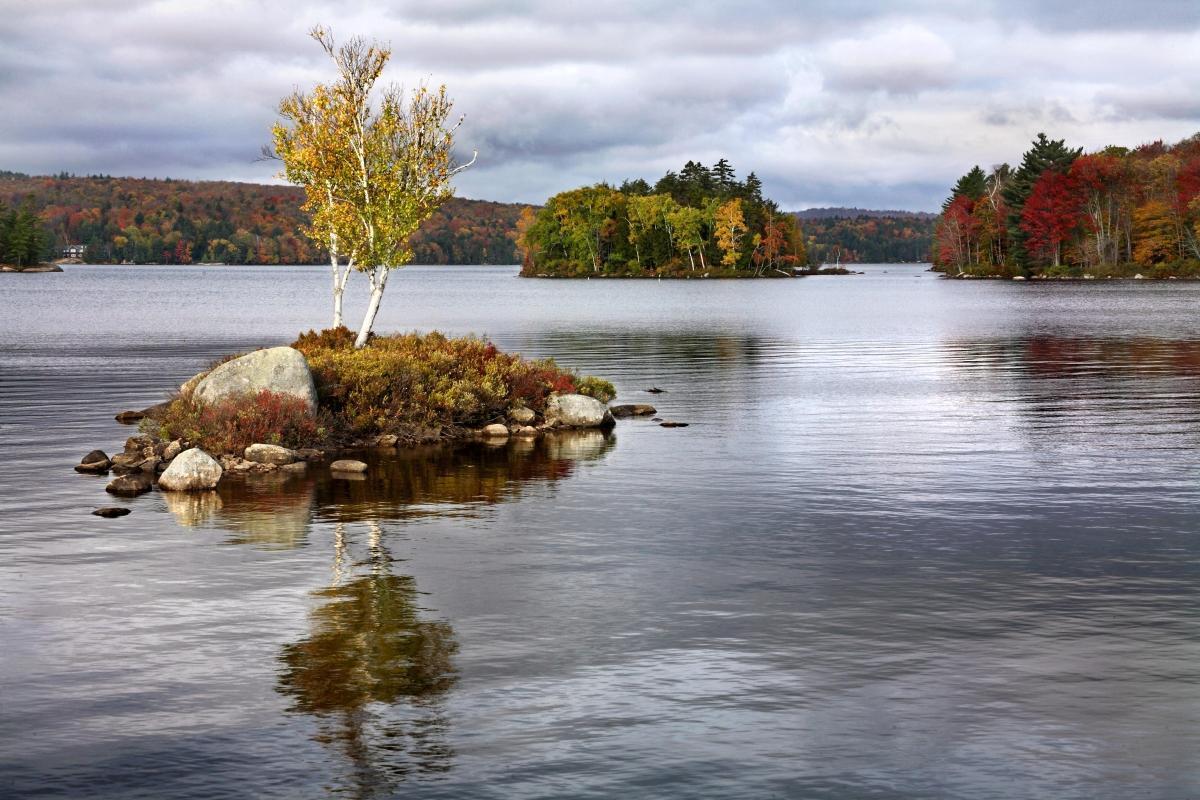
<point>724,176</point>
<point>973,186</point>
<point>1045,154</point>
<point>753,188</point>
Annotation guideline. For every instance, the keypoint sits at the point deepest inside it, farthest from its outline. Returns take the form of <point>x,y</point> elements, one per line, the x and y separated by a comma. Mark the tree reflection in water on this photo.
<point>373,672</point>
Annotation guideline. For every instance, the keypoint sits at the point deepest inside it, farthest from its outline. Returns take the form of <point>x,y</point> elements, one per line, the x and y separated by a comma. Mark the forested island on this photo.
<point>698,222</point>
<point>1114,213</point>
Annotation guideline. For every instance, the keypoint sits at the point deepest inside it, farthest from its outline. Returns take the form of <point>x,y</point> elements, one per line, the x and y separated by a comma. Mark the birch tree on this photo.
<point>378,167</point>
<point>316,157</point>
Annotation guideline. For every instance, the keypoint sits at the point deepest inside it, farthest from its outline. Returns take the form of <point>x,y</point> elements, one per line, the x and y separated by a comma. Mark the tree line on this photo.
<point>859,237</point>
<point>697,221</point>
<point>165,221</point>
<point>1062,212</point>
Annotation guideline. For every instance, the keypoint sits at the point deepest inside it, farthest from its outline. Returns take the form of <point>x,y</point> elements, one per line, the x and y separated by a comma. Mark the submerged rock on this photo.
<point>129,485</point>
<point>347,465</point>
<point>129,417</point>
<point>278,369</point>
<point>111,511</point>
<point>655,390</point>
<point>190,471</point>
<point>577,411</point>
<point>633,410</point>
<point>269,454</point>
<point>672,424</point>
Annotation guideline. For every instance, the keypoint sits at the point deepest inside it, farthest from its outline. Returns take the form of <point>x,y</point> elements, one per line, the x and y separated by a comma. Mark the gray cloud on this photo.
<point>850,102</point>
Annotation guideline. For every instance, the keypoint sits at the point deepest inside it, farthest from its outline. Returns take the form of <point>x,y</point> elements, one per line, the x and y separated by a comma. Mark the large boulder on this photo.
<point>191,471</point>
<point>278,369</point>
<point>577,411</point>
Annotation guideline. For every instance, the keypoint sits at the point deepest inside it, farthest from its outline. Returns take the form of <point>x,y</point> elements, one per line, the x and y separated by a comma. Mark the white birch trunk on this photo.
<point>378,282</point>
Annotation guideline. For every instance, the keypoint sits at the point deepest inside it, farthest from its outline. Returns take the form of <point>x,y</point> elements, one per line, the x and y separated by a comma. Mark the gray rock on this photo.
<point>269,454</point>
<point>633,410</point>
<point>347,465</point>
<point>526,432</point>
<point>187,387</point>
<point>522,416</point>
<point>111,511</point>
<point>172,449</point>
<point>495,431</point>
<point>128,460</point>
<point>139,445</point>
<point>129,485</point>
<point>190,471</point>
<point>94,463</point>
<point>577,411</point>
<point>278,369</point>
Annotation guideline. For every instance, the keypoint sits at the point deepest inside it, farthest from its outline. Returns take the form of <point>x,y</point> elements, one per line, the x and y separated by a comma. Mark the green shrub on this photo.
<point>595,387</point>
<point>403,382</point>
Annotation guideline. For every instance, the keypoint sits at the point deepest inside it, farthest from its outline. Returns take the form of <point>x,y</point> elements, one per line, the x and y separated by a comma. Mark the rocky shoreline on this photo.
<point>148,461</point>
<point>31,269</point>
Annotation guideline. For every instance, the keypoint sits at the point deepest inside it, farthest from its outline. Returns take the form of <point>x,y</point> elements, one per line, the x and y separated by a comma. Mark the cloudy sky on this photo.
<point>831,102</point>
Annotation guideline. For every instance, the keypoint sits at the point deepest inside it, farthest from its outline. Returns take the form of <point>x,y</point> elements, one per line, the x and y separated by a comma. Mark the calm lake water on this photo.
<point>922,539</point>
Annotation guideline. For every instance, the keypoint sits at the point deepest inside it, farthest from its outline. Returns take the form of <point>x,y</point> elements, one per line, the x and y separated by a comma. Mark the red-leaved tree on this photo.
<point>1053,212</point>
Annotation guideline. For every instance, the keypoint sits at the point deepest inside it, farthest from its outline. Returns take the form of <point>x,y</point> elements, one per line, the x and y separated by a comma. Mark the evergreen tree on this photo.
<point>972,186</point>
<point>723,174</point>
<point>637,186</point>
<point>753,188</point>
<point>1045,154</point>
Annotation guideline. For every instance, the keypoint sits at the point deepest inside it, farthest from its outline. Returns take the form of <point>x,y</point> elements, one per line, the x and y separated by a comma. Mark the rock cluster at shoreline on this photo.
<point>178,466</point>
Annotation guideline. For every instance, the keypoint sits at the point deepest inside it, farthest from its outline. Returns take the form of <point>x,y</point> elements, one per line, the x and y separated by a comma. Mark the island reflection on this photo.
<point>372,672</point>
<point>276,510</point>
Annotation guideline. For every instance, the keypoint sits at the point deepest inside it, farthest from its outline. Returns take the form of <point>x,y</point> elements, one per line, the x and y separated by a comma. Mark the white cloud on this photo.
<point>835,102</point>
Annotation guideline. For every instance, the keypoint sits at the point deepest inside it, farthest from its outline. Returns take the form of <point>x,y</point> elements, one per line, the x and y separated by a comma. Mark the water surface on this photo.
<point>922,538</point>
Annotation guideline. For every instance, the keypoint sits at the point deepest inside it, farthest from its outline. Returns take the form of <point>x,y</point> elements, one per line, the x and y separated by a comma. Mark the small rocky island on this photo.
<point>289,408</point>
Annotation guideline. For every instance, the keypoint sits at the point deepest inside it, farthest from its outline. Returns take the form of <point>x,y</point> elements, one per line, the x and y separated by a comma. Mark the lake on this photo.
<point>922,539</point>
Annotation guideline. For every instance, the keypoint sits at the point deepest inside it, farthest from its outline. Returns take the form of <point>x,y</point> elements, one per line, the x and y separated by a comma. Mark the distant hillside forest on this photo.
<point>145,220</point>
<point>1116,212</point>
<point>857,236</point>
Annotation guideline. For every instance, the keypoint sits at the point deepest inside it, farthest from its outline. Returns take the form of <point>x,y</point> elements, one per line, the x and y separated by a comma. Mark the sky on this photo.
<point>829,102</point>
